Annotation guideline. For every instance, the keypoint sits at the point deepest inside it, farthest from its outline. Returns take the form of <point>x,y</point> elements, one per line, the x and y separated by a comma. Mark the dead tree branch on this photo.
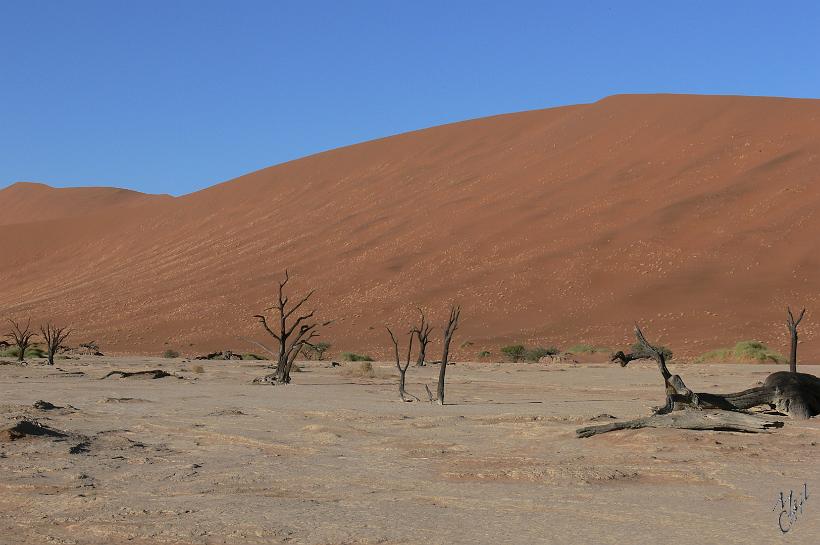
<point>792,324</point>
<point>54,337</point>
<point>292,334</point>
<point>21,337</point>
<point>403,368</point>
<point>423,335</point>
<point>452,325</point>
<point>796,394</point>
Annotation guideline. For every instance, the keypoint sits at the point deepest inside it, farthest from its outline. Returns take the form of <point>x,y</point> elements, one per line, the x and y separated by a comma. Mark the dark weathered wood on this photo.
<point>792,393</point>
<point>54,337</point>
<point>449,330</point>
<point>403,368</point>
<point>21,337</point>
<point>423,334</point>
<point>292,335</point>
<point>792,324</point>
<point>152,373</point>
<point>689,419</point>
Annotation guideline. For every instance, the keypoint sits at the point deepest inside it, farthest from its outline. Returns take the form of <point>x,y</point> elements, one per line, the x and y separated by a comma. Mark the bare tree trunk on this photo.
<point>291,340</point>
<point>452,325</point>
<point>792,324</point>
<point>423,334</point>
<point>402,368</point>
<point>54,337</point>
<point>21,336</point>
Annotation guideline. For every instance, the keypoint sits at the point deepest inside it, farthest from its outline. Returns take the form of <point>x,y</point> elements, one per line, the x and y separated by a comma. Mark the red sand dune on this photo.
<point>696,215</point>
<point>25,202</point>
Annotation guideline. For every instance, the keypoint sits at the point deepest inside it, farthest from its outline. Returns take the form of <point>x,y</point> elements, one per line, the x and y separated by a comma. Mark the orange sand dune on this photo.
<point>696,215</point>
<point>25,202</point>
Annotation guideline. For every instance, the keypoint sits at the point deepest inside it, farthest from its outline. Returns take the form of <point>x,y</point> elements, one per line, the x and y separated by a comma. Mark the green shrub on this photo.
<point>170,354</point>
<point>583,348</point>
<point>539,352</point>
<point>31,352</point>
<point>484,354</point>
<point>515,352</point>
<point>744,351</point>
<point>351,356</point>
<point>639,351</point>
<point>319,349</point>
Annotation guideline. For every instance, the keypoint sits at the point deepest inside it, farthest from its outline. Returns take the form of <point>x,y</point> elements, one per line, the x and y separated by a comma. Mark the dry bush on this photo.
<point>363,370</point>
<point>198,369</point>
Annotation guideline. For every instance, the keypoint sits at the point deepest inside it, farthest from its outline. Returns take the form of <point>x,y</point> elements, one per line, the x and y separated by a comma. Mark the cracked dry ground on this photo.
<point>210,458</point>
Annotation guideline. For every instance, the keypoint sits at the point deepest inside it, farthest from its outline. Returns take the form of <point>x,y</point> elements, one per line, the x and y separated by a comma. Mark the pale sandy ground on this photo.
<point>213,459</point>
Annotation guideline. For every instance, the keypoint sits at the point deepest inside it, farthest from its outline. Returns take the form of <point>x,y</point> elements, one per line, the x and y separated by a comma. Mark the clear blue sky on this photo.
<point>172,96</point>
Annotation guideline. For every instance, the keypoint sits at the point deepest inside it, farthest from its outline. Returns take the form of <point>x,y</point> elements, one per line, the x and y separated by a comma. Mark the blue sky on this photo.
<point>172,96</point>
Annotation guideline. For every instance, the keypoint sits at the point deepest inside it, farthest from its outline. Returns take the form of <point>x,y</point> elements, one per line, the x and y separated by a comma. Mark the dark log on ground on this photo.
<point>795,394</point>
<point>152,374</point>
<point>690,419</point>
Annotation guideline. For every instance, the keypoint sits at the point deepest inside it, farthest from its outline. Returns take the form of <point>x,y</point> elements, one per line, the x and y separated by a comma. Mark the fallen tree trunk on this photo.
<point>690,419</point>
<point>153,373</point>
<point>795,394</point>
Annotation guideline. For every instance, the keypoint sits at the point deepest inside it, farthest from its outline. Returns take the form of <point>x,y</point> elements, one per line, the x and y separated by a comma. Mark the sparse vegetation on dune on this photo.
<point>170,354</point>
<point>539,352</point>
<point>514,352</point>
<point>352,356</point>
<point>252,357</point>
<point>743,352</point>
<point>583,348</point>
<point>31,352</point>
<point>519,352</point>
<point>363,370</point>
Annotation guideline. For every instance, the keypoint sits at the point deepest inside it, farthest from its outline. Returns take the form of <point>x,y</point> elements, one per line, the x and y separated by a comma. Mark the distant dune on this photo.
<point>25,202</point>
<point>696,215</point>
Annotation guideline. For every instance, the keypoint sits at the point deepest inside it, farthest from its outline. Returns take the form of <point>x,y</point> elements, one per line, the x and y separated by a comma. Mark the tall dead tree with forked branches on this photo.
<point>54,337</point>
<point>792,324</point>
<point>449,330</point>
<point>292,332</point>
<point>21,337</point>
<point>403,368</point>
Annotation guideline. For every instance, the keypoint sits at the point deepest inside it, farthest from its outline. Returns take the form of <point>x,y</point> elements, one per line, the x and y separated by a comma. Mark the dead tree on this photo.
<point>21,337</point>
<point>403,368</point>
<point>292,332</point>
<point>423,335</point>
<point>452,325</point>
<point>796,394</point>
<point>792,324</point>
<point>54,337</point>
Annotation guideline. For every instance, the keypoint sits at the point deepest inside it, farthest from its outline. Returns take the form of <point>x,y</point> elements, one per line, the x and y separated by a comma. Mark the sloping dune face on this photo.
<point>697,216</point>
<point>26,202</point>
